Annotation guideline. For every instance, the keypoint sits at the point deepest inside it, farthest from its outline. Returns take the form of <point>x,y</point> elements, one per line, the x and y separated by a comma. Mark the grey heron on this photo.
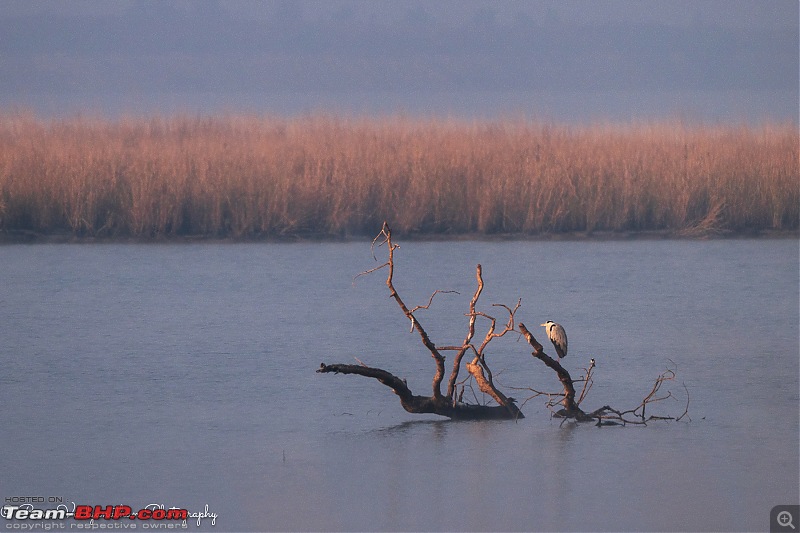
<point>557,335</point>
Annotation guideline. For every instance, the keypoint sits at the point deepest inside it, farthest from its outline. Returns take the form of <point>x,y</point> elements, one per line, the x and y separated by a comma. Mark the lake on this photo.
<point>183,375</point>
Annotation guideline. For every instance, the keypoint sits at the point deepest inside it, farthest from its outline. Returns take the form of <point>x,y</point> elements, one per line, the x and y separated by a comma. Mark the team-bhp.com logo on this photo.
<point>97,512</point>
<point>151,516</point>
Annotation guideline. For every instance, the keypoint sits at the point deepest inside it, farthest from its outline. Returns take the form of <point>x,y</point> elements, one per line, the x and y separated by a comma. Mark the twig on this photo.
<point>370,271</point>
<point>430,300</point>
<point>686,410</point>
<point>587,382</point>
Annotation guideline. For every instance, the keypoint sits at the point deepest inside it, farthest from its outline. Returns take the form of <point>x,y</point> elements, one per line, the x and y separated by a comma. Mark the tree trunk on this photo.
<point>440,405</point>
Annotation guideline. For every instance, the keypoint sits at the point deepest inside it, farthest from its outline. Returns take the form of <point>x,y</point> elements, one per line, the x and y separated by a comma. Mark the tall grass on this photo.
<point>321,175</point>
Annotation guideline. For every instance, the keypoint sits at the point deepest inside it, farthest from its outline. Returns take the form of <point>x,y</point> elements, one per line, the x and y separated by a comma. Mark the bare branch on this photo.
<point>488,388</point>
<point>478,368</point>
<point>470,333</point>
<point>639,411</point>
<point>686,410</point>
<point>587,382</point>
<point>552,397</point>
<point>390,380</point>
<point>571,409</point>
<point>490,335</point>
<point>667,375</point>
<point>430,300</point>
<point>385,237</point>
<point>384,234</point>
<point>370,271</point>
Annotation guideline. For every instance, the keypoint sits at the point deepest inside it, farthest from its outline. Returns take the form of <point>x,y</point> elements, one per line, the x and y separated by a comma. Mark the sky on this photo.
<point>714,61</point>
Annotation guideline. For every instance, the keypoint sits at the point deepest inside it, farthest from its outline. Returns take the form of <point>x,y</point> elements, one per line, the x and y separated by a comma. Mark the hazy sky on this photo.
<point>571,61</point>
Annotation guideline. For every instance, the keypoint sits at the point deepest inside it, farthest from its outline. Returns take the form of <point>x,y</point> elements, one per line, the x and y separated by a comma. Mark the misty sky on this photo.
<point>575,61</point>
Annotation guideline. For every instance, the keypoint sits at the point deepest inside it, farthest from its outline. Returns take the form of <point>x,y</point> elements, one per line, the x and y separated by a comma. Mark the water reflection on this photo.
<point>438,427</point>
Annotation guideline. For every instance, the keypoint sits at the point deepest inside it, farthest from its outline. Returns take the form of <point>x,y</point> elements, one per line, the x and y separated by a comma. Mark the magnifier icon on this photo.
<point>785,519</point>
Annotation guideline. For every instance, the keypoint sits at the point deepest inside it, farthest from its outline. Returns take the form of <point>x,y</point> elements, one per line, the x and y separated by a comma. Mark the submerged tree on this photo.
<point>450,403</point>
<point>605,415</point>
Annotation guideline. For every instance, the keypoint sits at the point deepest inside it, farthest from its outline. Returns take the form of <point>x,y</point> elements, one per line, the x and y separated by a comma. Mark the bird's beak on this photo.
<point>543,325</point>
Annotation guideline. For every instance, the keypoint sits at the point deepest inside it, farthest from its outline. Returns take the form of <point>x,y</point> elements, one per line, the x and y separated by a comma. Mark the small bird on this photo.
<point>557,335</point>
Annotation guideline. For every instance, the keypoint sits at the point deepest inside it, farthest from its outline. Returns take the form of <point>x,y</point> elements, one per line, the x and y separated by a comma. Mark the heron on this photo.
<point>557,335</point>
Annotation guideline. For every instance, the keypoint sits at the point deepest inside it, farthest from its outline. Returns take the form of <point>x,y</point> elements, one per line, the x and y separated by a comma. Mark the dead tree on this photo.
<point>450,403</point>
<point>605,415</point>
<point>571,408</point>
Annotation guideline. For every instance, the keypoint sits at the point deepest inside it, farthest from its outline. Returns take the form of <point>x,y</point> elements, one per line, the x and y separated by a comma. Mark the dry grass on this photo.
<point>320,175</point>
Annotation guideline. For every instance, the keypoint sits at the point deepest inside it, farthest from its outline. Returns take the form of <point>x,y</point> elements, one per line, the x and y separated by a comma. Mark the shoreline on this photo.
<point>30,237</point>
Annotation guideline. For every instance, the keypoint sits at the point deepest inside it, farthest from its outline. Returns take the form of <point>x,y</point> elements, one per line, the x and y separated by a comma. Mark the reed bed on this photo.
<point>251,177</point>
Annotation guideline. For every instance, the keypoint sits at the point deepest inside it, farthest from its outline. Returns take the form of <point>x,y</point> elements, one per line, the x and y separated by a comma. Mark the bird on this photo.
<point>557,335</point>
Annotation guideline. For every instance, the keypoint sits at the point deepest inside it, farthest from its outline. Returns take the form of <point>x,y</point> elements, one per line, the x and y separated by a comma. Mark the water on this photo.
<point>183,375</point>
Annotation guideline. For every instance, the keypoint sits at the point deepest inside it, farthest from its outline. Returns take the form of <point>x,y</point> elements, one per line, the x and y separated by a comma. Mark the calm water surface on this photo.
<point>183,375</point>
